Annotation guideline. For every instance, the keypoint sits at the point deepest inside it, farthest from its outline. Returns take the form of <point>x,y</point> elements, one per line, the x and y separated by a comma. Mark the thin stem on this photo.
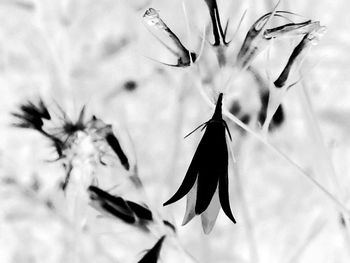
<point>326,162</point>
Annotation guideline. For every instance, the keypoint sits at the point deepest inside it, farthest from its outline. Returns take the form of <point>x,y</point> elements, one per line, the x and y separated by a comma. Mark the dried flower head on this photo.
<point>155,24</point>
<point>206,180</point>
<point>83,138</point>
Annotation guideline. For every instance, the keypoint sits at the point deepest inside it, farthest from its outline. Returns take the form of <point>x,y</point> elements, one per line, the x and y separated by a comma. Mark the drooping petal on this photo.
<point>210,215</point>
<point>189,179</point>
<point>214,162</point>
<point>224,196</point>
<point>190,204</point>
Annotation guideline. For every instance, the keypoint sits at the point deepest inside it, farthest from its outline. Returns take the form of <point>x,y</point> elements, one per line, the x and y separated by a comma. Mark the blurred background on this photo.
<point>97,53</point>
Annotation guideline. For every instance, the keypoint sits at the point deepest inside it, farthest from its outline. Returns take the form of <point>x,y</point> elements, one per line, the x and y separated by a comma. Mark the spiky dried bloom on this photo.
<point>206,179</point>
<point>154,22</point>
<point>82,138</point>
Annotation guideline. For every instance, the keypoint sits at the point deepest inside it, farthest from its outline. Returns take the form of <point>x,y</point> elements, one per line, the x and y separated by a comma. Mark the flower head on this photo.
<point>80,139</point>
<point>206,180</point>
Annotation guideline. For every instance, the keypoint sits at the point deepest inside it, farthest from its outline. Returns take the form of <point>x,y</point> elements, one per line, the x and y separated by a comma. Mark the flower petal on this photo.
<point>190,205</point>
<point>214,163</point>
<point>224,196</point>
<point>210,215</point>
<point>189,179</point>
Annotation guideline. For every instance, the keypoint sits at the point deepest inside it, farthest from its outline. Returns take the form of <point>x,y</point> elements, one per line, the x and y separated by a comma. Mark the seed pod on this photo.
<point>155,24</point>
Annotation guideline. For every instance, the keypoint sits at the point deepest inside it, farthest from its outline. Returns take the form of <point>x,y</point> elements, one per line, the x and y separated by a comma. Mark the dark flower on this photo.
<point>152,255</point>
<point>206,180</point>
<point>154,22</point>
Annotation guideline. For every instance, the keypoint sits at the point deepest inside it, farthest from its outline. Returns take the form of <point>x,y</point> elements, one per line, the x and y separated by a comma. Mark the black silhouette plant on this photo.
<point>207,175</point>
